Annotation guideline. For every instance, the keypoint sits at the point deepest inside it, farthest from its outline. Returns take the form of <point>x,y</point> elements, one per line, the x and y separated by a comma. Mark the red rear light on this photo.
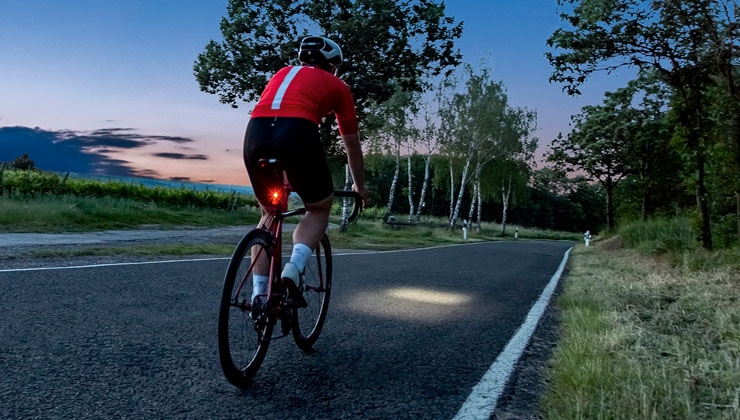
<point>275,197</point>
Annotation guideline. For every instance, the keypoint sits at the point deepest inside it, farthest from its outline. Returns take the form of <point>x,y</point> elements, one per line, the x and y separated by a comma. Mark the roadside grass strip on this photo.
<point>645,339</point>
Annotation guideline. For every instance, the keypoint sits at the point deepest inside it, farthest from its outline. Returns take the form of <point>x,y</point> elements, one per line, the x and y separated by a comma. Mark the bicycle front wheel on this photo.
<point>243,333</point>
<point>308,321</point>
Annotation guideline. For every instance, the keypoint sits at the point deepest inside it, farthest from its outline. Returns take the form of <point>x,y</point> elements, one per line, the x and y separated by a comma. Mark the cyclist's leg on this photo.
<point>311,228</point>
<point>261,268</point>
<point>309,175</point>
<point>257,145</point>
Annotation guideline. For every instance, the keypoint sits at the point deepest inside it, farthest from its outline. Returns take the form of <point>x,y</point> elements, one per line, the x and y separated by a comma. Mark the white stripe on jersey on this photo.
<point>284,87</point>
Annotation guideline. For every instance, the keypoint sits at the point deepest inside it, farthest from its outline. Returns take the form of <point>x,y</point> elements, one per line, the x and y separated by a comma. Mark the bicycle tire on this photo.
<point>309,321</point>
<point>243,341</point>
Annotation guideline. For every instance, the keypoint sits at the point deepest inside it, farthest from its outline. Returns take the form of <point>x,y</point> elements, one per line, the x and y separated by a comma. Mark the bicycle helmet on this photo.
<point>320,51</point>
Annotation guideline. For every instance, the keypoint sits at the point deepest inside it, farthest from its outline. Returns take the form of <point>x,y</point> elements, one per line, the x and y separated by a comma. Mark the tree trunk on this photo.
<point>422,196</point>
<point>452,191</point>
<point>411,189</point>
<point>473,200</point>
<point>505,194</point>
<point>737,211</point>
<point>458,203</point>
<point>480,208</point>
<point>609,204</point>
<point>392,192</point>
<point>701,201</point>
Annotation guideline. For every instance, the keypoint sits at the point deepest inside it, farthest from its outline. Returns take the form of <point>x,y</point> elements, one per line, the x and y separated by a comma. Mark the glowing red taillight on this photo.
<point>275,197</point>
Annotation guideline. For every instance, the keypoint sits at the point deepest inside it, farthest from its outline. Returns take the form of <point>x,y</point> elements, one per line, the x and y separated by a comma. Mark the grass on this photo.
<point>80,214</point>
<point>646,337</point>
<point>660,235</point>
<point>75,214</point>
<point>138,250</point>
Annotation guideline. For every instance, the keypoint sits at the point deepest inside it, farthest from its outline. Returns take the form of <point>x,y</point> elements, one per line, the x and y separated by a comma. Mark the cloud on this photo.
<point>146,173</point>
<point>83,152</point>
<point>181,156</point>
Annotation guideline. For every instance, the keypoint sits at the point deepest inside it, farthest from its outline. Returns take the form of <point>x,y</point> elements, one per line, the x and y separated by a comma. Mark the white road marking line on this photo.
<point>482,401</point>
<point>69,267</point>
<point>334,254</point>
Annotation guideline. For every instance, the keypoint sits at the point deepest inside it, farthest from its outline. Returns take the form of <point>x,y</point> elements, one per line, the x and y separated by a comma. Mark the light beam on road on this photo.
<point>429,296</point>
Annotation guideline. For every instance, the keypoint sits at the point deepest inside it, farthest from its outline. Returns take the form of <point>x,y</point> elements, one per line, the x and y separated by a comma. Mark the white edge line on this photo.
<point>69,267</point>
<point>482,401</point>
<point>339,254</point>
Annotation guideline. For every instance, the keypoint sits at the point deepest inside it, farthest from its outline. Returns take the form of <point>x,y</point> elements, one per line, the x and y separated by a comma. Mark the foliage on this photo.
<point>686,43</point>
<point>481,127</point>
<point>385,43</point>
<point>32,184</point>
<point>621,139</point>
<point>659,236</point>
<point>562,204</point>
<point>23,163</point>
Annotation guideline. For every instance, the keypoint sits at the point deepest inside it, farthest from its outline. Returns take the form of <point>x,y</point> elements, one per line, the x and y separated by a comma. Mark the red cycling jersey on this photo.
<point>310,93</point>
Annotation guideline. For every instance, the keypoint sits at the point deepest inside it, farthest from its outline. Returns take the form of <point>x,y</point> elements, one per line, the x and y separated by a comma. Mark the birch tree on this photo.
<point>396,133</point>
<point>517,148</point>
<point>428,141</point>
<point>479,121</point>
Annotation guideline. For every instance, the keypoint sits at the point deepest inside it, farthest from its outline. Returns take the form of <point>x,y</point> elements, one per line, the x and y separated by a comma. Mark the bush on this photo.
<point>660,236</point>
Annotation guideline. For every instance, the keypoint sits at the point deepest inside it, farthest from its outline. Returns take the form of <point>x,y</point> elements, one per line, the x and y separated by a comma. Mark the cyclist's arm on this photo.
<point>356,163</point>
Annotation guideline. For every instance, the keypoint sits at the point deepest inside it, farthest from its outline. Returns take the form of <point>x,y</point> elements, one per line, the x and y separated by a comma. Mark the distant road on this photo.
<point>409,335</point>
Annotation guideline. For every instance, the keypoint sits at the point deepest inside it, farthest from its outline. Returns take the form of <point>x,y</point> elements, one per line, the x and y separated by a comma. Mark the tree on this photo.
<point>674,38</point>
<point>475,122</point>
<point>514,168</point>
<point>23,163</point>
<point>655,167</point>
<point>728,57</point>
<point>386,43</point>
<point>396,132</point>
<point>429,141</point>
<point>599,146</point>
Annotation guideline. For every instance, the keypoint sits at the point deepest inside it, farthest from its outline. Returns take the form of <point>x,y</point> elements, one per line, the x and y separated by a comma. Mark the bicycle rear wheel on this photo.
<point>308,321</point>
<point>243,337</point>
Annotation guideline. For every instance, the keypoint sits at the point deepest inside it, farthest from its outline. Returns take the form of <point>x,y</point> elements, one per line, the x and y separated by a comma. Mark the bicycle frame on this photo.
<point>278,211</point>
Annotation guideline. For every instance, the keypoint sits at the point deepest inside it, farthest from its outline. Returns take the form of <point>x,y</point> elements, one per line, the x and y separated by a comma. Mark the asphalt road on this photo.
<point>408,336</point>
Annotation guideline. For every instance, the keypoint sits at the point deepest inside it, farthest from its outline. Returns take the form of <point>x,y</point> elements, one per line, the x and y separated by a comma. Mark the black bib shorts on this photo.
<point>296,143</point>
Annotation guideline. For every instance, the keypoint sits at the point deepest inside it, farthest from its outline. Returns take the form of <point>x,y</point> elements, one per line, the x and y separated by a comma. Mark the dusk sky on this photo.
<point>87,67</point>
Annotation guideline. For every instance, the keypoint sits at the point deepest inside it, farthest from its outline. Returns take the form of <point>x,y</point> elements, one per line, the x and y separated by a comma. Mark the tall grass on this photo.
<point>645,336</point>
<point>660,235</point>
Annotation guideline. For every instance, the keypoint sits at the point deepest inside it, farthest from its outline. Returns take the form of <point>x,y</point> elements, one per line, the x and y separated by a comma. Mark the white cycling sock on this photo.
<point>260,285</point>
<point>300,255</point>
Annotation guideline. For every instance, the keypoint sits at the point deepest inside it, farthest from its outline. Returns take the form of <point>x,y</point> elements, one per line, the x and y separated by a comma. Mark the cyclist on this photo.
<point>284,125</point>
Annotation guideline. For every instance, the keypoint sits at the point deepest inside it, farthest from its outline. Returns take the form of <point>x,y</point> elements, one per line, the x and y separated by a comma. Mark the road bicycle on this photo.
<point>245,332</point>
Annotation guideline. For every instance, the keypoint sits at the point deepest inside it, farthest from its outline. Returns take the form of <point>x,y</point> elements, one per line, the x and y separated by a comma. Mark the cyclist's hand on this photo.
<point>362,191</point>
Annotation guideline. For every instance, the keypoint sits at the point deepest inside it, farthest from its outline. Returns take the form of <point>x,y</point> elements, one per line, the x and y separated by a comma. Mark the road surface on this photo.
<point>409,335</point>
